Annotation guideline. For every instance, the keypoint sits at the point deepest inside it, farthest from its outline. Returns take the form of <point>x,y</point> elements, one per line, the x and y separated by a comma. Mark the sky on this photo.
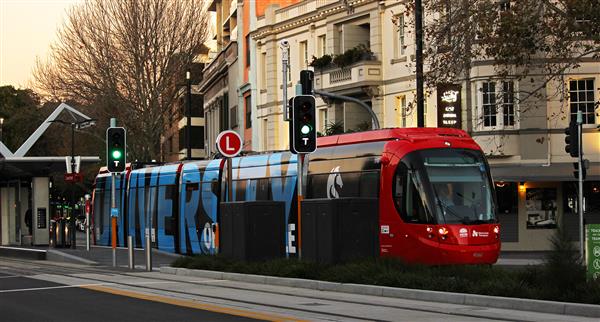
<point>27,28</point>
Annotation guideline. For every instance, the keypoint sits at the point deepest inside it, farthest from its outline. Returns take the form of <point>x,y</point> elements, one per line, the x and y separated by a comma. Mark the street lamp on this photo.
<point>74,125</point>
<point>188,112</point>
<point>1,125</point>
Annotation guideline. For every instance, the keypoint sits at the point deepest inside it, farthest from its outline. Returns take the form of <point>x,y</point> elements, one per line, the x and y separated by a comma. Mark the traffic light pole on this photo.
<point>113,219</point>
<point>580,179</point>
<point>300,196</point>
<point>354,100</point>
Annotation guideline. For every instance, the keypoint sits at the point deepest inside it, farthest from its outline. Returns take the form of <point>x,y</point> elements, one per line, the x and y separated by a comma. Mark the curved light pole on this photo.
<point>74,125</point>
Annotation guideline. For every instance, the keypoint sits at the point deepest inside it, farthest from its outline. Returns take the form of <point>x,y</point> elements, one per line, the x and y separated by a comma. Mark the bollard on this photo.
<point>130,251</point>
<point>148,252</point>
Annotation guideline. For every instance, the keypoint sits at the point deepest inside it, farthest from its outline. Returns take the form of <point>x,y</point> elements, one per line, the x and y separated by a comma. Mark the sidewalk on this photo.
<point>102,255</point>
<point>520,259</point>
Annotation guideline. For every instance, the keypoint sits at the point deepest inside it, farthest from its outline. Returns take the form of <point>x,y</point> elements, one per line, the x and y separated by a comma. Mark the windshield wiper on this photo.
<point>463,220</point>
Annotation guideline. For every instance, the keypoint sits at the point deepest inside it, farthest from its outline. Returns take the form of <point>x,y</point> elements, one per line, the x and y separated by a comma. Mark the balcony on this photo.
<point>357,75</point>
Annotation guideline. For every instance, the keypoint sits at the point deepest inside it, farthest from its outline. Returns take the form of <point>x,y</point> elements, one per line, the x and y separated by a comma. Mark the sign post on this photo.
<point>229,144</point>
<point>87,222</point>
<point>593,251</point>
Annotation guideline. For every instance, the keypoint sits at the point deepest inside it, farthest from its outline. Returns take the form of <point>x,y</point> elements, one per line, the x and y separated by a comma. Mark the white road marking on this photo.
<point>48,288</point>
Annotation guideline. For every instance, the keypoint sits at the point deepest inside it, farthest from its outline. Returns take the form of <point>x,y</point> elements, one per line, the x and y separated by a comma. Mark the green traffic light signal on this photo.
<point>303,138</point>
<point>116,148</point>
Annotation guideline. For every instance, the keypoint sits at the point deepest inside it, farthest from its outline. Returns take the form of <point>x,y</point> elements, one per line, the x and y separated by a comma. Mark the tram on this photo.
<point>433,185</point>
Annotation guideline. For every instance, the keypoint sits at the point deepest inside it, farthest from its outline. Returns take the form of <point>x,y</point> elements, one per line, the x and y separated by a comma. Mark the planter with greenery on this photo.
<point>560,278</point>
<point>349,57</point>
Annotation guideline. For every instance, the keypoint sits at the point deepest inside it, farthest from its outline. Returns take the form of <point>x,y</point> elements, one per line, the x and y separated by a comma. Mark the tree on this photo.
<point>534,41</point>
<point>21,113</point>
<point>126,59</point>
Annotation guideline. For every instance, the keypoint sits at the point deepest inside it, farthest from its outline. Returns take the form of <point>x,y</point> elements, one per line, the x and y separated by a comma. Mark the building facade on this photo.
<point>523,136</point>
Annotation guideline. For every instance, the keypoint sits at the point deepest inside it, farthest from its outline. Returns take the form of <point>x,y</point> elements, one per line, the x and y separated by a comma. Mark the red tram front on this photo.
<point>436,197</point>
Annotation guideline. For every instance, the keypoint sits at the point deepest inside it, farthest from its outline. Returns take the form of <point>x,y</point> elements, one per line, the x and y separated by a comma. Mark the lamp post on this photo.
<point>74,125</point>
<point>188,116</point>
<point>1,125</point>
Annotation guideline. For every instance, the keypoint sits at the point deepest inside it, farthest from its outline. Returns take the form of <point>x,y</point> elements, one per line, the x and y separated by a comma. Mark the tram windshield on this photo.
<point>454,186</point>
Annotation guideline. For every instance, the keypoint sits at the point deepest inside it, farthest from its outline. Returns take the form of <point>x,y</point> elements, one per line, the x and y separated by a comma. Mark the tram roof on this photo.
<point>389,134</point>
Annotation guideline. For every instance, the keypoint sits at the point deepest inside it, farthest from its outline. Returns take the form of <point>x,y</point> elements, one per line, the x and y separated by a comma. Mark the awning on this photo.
<point>27,167</point>
<point>553,172</point>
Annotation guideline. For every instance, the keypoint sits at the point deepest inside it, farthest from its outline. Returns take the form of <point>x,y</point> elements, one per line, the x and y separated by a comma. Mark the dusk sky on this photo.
<point>27,28</point>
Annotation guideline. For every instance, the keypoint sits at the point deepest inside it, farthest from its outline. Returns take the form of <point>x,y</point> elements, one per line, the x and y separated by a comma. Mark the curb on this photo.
<point>26,253</point>
<point>58,256</point>
<point>587,310</point>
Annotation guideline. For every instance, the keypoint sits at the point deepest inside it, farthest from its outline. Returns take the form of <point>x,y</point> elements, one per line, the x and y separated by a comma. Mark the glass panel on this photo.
<point>461,186</point>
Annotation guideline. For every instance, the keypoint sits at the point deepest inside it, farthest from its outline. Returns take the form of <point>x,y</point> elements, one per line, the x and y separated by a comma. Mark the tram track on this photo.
<point>71,272</point>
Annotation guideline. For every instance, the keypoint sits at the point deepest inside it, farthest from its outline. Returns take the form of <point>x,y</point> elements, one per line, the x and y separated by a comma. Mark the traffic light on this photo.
<point>572,140</point>
<point>115,149</point>
<point>303,129</point>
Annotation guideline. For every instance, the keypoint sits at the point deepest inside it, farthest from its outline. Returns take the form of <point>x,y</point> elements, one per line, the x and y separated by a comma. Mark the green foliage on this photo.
<point>321,62</point>
<point>361,127</point>
<point>21,113</point>
<point>531,282</point>
<point>349,57</point>
<point>353,55</point>
<point>333,128</point>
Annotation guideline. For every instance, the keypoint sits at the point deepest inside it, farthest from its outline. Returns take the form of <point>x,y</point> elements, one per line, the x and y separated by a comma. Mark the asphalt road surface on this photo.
<point>51,291</point>
<point>27,299</point>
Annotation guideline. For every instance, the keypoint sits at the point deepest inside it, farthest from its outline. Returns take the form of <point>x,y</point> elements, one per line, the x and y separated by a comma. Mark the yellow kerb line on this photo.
<point>192,304</point>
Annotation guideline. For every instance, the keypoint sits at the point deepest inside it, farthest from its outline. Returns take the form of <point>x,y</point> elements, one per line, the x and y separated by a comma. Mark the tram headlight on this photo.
<point>497,230</point>
<point>443,232</point>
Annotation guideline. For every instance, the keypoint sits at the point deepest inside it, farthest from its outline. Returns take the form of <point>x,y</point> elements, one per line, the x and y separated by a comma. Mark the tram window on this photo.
<point>369,184</point>
<point>189,187</point>
<point>406,197</point>
<point>262,189</point>
<point>350,188</point>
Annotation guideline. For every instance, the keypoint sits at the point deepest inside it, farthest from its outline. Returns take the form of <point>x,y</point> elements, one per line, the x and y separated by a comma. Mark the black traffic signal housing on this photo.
<point>303,129</point>
<point>572,140</point>
<point>116,149</point>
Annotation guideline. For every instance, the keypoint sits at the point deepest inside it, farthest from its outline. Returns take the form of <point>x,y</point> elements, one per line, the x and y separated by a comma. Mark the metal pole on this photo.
<point>87,222</point>
<point>148,251</point>
<point>580,179</point>
<point>419,63</point>
<point>300,197</point>
<point>113,123</point>
<point>113,219</point>
<point>73,230</point>
<point>229,181</point>
<point>188,112</point>
<point>352,99</point>
<point>284,45</point>
<point>130,252</point>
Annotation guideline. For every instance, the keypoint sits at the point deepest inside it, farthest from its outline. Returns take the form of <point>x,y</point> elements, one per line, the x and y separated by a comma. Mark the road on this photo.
<point>50,291</point>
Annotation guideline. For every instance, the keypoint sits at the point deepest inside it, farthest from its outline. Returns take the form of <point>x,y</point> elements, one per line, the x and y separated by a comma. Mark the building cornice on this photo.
<point>305,19</point>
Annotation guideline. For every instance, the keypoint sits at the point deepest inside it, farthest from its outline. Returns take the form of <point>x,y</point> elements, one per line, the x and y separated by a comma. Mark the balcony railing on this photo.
<point>340,75</point>
<point>358,74</point>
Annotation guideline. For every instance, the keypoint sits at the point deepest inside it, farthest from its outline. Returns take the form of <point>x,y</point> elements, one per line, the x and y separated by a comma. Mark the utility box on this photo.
<point>338,230</point>
<point>252,230</point>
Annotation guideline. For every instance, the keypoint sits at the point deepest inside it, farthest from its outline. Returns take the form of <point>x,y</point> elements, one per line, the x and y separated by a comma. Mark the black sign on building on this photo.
<point>449,106</point>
